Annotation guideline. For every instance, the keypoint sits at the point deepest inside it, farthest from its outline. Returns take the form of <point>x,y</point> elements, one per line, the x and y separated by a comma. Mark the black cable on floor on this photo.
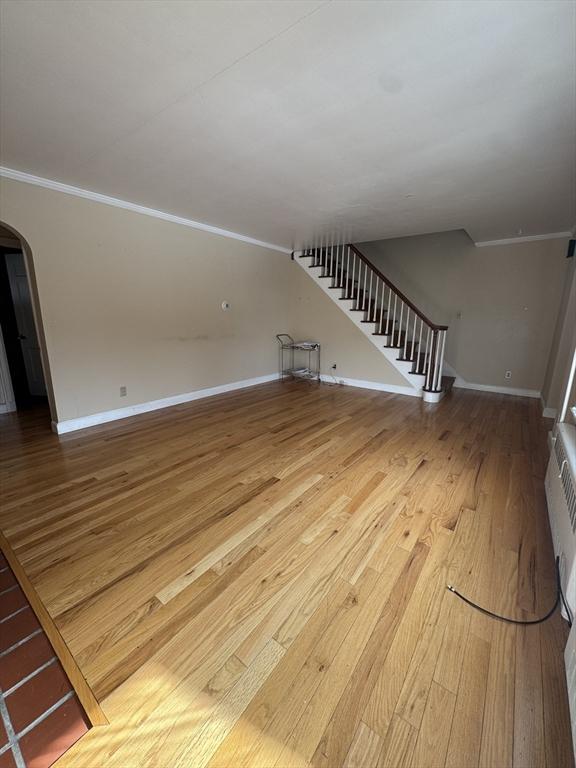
<point>559,597</point>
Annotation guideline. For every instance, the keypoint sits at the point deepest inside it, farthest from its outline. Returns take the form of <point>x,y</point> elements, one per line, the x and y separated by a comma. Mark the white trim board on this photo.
<point>460,383</point>
<point>87,194</point>
<point>71,425</point>
<point>515,392</point>
<point>93,420</point>
<point>394,389</point>
<point>522,239</point>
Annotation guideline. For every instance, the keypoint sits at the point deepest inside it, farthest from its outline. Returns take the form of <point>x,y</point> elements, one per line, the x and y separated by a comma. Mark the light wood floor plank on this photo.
<point>259,579</point>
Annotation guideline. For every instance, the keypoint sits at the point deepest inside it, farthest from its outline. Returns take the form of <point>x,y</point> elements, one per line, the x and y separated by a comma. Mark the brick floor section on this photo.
<point>40,715</point>
<point>11,601</point>
<point>7,578</point>
<point>24,660</point>
<point>40,693</point>
<point>17,628</point>
<point>45,743</point>
<point>6,760</point>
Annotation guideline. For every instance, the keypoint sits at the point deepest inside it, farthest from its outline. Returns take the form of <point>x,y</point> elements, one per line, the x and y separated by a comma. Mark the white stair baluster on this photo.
<point>428,359</point>
<point>382,306</point>
<point>419,346</point>
<point>407,329</point>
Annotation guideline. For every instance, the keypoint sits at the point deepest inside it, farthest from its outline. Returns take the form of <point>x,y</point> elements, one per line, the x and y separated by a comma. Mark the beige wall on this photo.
<point>563,343</point>
<point>500,302</point>
<point>128,299</point>
<point>131,300</point>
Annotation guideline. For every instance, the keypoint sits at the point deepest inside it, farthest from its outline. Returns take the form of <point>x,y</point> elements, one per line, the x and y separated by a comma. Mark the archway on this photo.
<point>25,380</point>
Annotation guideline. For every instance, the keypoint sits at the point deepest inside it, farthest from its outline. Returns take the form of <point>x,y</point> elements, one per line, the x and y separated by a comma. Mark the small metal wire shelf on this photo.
<point>287,349</point>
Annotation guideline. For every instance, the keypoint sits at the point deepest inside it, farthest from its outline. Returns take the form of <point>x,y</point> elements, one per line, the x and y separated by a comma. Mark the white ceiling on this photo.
<point>284,120</point>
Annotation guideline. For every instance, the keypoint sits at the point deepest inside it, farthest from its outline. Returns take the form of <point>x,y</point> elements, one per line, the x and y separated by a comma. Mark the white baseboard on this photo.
<point>547,413</point>
<point>71,425</point>
<point>461,384</point>
<point>394,389</point>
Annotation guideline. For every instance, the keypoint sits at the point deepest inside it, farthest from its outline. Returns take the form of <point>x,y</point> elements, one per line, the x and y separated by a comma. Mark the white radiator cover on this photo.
<point>570,659</point>
<point>561,496</point>
<point>560,486</point>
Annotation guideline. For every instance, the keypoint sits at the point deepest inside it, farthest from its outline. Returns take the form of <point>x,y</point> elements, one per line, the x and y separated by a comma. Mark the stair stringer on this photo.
<point>404,367</point>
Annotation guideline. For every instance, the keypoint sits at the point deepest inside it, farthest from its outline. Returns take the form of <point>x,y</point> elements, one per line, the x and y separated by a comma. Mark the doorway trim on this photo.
<point>38,323</point>
<point>6,380</point>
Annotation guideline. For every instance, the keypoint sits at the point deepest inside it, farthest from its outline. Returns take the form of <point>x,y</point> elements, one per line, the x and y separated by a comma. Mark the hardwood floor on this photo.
<point>259,579</point>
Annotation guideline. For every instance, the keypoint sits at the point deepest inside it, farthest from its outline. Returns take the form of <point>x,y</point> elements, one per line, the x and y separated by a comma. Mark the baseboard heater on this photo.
<point>561,497</point>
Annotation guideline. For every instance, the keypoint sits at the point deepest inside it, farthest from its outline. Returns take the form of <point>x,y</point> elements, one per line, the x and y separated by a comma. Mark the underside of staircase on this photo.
<point>399,330</point>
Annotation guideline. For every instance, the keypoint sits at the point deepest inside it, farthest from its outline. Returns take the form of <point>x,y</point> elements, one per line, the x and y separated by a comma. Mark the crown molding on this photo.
<point>523,239</point>
<point>96,197</point>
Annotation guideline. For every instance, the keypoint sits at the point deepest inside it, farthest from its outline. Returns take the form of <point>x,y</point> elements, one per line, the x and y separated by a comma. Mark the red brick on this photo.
<point>37,695</point>
<point>11,601</point>
<point>6,760</point>
<point>44,744</point>
<point>23,660</point>
<point>7,579</point>
<point>17,628</point>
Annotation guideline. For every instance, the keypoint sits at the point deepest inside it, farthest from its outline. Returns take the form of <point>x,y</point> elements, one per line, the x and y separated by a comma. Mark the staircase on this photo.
<point>407,338</point>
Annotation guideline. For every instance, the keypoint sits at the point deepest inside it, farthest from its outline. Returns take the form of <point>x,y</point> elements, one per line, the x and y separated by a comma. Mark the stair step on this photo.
<point>412,355</point>
<point>397,339</point>
<point>387,328</point>
<point>374,321</point>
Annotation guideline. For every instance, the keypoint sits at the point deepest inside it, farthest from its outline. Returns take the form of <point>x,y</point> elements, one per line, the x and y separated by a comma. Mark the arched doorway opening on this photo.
<point>25,383</point>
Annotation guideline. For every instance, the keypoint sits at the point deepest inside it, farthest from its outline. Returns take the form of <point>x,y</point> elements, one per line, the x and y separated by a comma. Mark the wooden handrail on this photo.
<point>399,293</point>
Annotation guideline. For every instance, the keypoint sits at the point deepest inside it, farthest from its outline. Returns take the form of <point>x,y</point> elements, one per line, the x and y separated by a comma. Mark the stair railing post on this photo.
<point>433,366</point>
<point>441,345</point>
<point>428,360</point>
<point>419,352</point>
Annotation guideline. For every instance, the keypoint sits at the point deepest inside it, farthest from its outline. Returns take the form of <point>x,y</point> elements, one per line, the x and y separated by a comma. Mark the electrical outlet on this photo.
<point>508,375</point>
<point>123,391</point>
<point>333,366</point>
